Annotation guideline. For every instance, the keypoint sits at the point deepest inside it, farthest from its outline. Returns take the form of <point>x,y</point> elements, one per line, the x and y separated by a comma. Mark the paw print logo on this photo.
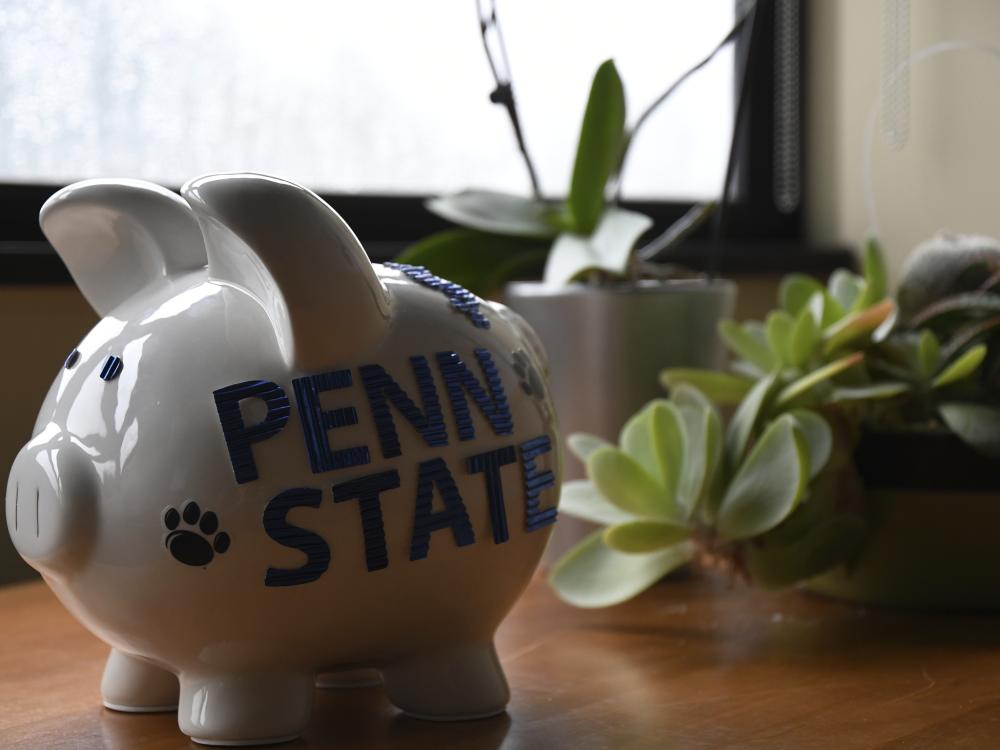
<point>530,381</point>
<point>191,545</point>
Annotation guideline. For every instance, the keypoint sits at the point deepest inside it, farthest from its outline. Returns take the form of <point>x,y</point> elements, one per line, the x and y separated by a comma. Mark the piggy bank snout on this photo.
<point>51,503</point>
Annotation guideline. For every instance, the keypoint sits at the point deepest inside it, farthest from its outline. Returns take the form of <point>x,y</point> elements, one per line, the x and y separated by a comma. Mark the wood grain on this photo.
<point>694,663</point>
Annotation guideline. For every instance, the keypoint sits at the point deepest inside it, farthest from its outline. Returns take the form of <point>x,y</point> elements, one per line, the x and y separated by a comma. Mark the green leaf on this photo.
<point>846,288</point>
<point>928,352</point>
<point>868,392</point>
<point>857,326</point>
<point>818,437</point>
<point>668,439</point>
<point>702,453</point>
<point>796,291</point>
<point>594,575</point>
<point>805,337</point>
<point>778,330</point>
<point>876,276</point>
<point>807,382</point>
<point>977,424</point>
<point>623,481</point>
<point>748,342</point>
<point>823,547</point>
<point>747,415</point>
<point>582,444</point>
<point>721,387</point>
<point>962,366</point>
<point>687,395</point>
<point>637,537</point>
<point>472,259</point>
<point>599,148</point>
<point>609,248</point>
<point>767,485</point>
<point>497,213</point>
<point>637,440</point>
<point>825,309</point>
<point>580,499</point>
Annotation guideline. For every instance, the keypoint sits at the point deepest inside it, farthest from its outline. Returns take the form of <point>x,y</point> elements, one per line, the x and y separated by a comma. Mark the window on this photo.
<point>383,96</point>
<point>379,98</point>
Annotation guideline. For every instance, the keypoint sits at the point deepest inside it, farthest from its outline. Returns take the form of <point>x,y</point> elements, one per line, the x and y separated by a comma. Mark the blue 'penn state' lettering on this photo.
<point>366,491</point>
<point>238,436</point>
<point>276,526</point>
<point>459,381</point>
<point>386,398</point>
<point>383,390</point>
<point>435,473</point>
<point>489,464</point>
<point>316,422</point>
<point>458,296</point>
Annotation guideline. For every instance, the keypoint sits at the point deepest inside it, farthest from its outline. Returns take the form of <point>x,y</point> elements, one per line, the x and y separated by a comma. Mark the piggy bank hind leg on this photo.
<point>137,687</point>
<point>245,709</point>
<point>462,682</point>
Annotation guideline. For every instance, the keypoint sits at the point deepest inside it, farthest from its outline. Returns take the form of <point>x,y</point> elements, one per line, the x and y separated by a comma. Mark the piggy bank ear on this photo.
<point>293,252</point>
<point>118,236</point>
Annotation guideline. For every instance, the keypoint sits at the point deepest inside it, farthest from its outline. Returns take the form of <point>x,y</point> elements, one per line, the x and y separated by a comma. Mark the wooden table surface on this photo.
<point>694,663</point>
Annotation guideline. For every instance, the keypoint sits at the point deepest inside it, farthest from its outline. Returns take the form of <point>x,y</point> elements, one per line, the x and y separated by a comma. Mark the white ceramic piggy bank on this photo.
<point>272,460</point>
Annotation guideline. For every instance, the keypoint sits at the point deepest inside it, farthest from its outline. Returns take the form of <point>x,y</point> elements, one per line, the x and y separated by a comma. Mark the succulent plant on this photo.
<point>846,344</point>
<point>677,485</point>
<point>775,495</point>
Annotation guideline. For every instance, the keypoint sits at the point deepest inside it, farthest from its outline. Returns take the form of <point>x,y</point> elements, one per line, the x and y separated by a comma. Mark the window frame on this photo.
<point>757,232</point>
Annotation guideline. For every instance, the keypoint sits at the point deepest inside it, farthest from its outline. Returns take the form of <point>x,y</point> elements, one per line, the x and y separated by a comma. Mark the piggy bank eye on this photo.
<point>112,368</point>
<point>72,359</point>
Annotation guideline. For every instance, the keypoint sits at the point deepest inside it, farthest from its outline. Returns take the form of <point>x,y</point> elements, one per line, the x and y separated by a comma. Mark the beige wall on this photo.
<point>946,175</point>
<point>39,326</point>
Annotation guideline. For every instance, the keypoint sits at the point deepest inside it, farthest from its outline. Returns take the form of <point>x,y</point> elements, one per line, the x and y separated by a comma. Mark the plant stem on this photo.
<point>504,91</point>
<point>630,136</point>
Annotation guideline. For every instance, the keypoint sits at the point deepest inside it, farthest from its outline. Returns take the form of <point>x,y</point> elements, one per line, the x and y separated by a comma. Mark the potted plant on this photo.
<point>609,311</point>
<point>845,397</point>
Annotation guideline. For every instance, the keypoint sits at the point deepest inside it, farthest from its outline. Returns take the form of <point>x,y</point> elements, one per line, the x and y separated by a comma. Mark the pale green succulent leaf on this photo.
<point>626,484</point>
<point>825,309</point>
<point>749,342</point>
<point>687,395</point>
<point>805,337</point>
<point>778,329</point>
<point>876,276</point>
<point>636,439</point>
<point>928,353</point>
<point>961,367</point>
<point>846,288</point>
<point>768,485</point>
<point>858,327</point>
<point>747,416</point>
<point>796,291</point>
<point>637,537</point>
<point>594,575</point>
<point>818,437</point>
<point>806,383</point>
<point>582,444</point>
<point>977,424</point>
<point>722,388</point>
<point>873,392</point>
<point>579,498</point>
<point>668,439</point>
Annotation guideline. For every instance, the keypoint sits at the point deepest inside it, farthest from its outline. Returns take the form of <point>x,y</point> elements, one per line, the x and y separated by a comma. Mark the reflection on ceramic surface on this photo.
<point>303,463</point>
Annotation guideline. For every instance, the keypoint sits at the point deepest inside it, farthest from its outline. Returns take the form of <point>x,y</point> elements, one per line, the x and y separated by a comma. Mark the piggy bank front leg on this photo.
<point>460,682</point>
<point>245,709</point>
<point>135,686</point>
